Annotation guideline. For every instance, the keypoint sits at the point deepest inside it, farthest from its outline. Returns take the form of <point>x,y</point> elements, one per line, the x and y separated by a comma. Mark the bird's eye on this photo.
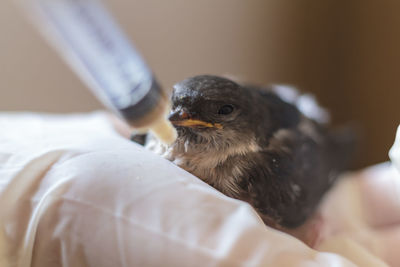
<point>225,110</point>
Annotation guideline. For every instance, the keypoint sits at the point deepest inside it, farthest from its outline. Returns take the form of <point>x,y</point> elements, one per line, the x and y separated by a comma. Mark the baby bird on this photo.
<point>269,146</point>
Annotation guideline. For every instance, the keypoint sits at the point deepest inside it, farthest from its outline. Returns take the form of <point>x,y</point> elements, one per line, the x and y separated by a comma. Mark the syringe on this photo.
<point>88,38</point>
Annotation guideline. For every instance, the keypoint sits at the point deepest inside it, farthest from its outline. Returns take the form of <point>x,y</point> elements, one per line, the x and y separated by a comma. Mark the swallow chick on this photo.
<point>270,147</point>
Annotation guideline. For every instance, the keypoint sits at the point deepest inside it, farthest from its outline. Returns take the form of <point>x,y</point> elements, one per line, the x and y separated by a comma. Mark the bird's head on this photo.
<point>211,109</point>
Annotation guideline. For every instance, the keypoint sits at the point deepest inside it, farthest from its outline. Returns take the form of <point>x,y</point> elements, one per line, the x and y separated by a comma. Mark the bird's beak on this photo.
<point>196,123</point>
<point>183,118</point>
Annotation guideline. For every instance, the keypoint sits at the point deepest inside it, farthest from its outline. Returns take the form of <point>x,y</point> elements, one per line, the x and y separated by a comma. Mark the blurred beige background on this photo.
<point>346,52</point>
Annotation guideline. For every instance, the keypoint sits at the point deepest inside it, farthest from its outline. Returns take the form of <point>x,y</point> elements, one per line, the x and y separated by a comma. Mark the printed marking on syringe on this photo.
<point>81,11</point>
<point>123,73</point>
<point>133,76</point>
<point>72,46</point>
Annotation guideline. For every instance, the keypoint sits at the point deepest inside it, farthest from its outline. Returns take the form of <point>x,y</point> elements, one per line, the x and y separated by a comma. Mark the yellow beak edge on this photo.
<point>191,123</point>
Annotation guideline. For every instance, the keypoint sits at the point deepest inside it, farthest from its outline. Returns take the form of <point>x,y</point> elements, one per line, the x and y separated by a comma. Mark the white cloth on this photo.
<point>394,152</point>
<point>75,193</point>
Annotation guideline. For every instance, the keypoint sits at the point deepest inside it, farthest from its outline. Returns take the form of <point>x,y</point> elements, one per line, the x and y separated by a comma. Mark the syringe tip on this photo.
<point>164,131</point>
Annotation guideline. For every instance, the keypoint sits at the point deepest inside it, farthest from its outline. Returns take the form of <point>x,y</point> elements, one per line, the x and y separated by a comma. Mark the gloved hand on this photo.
<point>73,192</point>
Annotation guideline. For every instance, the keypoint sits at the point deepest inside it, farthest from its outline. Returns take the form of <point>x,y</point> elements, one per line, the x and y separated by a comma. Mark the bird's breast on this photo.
<point>222,168</point>
<point>218,169</point>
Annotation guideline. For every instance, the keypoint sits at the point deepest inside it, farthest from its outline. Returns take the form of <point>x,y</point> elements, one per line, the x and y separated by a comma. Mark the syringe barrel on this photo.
<point>91,42</point>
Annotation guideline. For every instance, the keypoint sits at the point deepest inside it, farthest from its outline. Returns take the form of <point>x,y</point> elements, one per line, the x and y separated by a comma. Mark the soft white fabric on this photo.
<point>395,150</point>
<point>75,193</point>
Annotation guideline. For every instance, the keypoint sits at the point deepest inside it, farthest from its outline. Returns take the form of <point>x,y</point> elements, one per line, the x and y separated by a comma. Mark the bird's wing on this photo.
<point>300,160</point>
